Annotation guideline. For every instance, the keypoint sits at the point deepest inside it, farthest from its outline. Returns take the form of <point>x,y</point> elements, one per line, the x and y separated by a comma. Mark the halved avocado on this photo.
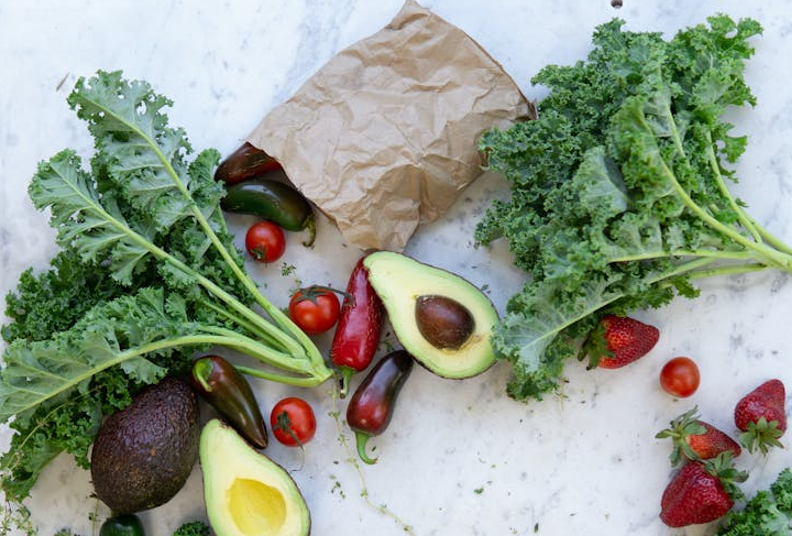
<point>246,493</point>
<point>408,288</point>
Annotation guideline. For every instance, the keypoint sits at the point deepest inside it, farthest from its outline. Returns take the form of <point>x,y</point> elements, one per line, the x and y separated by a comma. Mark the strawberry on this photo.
<point>694,439</point>
<point>620,340</point>
<point>701,491</point>
<point>761,416</point>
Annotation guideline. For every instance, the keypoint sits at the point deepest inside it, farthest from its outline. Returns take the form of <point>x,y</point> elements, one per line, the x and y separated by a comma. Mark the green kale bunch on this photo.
<point>146,277</point>
<point>619,190</point>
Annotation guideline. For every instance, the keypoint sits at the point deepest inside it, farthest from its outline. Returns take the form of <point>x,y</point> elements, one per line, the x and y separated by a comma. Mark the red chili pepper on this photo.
<point>221,384</point>
<point>359,327</point>
<point>371,407</point>
<point>245,163</point>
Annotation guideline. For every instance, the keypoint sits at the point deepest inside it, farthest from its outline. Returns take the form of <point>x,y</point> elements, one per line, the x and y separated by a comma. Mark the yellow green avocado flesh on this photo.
<point>400,281</point>
<point>246,493</point>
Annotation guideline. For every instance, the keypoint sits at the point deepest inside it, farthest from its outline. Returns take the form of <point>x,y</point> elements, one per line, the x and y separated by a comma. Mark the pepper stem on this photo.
<point>346,377</point>
<point>310,226</point>
<point>361,438</point>
<point>201,371</point>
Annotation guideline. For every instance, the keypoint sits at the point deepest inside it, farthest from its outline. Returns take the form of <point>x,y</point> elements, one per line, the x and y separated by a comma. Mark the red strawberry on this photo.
<point>619,341</point>
<point>761,416</point>
<point>695,439</point>
<point>701,492</point>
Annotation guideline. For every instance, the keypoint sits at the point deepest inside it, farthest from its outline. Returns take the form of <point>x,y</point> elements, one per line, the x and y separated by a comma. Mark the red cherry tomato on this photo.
<point>314,309</point>
<point>293,421</point>
<point>265,241</point>
<point>680,377</point>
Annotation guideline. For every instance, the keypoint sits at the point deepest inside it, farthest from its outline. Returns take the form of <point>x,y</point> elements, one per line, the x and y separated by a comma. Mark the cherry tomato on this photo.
<point>265,241</point>
<point>293,421</point>
<point>315,309</point>
<point>680,377</point>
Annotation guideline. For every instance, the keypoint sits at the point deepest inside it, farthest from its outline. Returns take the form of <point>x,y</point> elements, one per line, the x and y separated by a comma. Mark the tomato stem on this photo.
<point>284,424</point>
<point>313,292</point>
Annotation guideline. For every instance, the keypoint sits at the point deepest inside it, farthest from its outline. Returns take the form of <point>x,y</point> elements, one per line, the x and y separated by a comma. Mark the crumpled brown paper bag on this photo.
<point>384,136</point>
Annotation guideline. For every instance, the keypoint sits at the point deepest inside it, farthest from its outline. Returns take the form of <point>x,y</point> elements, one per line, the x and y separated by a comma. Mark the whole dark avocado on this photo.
<point>144,453</point>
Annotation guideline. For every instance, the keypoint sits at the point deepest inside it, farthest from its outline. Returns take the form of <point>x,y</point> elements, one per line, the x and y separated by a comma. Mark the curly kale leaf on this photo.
<point>54,300</point>
<point>619,197</point>
<point>193,528</point>
<point>768,513</point>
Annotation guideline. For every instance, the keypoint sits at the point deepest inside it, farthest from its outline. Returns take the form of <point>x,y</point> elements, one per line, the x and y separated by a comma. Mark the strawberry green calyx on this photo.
<point>694,439</point>
<point>679,430</point>
<point>762,435</point>
<point>761,416</point>
<point>722,467</point>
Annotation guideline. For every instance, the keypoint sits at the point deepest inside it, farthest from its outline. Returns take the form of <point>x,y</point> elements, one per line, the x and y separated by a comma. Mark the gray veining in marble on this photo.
<point>460,458</point>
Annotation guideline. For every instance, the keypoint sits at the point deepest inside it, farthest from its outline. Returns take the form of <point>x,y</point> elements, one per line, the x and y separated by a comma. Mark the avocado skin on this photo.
<point>144,453</point>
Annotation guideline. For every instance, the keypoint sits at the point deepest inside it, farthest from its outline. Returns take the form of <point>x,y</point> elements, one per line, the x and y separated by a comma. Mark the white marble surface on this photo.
<point>460,458</point>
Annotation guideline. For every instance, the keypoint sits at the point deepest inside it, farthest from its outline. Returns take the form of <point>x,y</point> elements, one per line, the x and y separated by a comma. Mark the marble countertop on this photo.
<point>460,458</point>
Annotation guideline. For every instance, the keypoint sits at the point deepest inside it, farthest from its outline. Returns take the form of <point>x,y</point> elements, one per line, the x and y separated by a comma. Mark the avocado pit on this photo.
<point>443,322</point>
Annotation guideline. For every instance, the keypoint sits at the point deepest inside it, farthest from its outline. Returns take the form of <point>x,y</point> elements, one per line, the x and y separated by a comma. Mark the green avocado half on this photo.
<point>246,493</point>
<point>404,284</point>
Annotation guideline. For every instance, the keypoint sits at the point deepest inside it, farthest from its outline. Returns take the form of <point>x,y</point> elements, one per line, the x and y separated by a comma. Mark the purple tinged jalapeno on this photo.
<point>245,163</point>
<point>222,386</point>
<point>371,407</point>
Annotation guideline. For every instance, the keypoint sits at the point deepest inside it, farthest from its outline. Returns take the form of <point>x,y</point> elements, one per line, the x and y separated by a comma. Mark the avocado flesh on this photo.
<point>400,281</point>
<point>246,493</point>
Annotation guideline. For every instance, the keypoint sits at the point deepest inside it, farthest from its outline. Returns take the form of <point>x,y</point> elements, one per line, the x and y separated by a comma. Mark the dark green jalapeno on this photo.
<point>274,201</point>
<point>221,384</point>
<point>371,407</point>
<point>124,525</point>
<point>245,163</point>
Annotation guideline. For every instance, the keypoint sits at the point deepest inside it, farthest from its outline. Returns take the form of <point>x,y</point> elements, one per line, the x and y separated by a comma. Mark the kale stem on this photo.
<point>774,257</point>
<point>728,270</point>
<point>292,346</point>
<point>311,381</point>
<point>682,269</point>
<point>770,238</point>
<point>245,324</point>
<point>651,255</point>
<point>243,277</point>
<point>716,170</point>
<point>263,353</point>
